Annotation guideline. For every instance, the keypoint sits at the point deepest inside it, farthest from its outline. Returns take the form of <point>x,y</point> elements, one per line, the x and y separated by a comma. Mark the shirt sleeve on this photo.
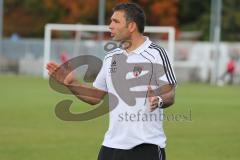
<point>100,81</point>
<point>164,71</point>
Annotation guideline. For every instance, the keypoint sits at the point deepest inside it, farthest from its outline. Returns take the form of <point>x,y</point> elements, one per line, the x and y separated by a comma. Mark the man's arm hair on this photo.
<point>85,93</point>
<point>167,93</point>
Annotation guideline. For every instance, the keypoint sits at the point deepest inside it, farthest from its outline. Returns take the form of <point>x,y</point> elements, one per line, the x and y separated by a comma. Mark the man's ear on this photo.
<point>132,26</point>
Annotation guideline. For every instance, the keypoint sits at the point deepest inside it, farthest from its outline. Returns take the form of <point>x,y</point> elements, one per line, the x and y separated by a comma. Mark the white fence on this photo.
<point>191,62</point>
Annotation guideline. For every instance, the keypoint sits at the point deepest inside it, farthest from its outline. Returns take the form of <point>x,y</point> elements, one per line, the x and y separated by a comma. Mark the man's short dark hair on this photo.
<point>133,12</point>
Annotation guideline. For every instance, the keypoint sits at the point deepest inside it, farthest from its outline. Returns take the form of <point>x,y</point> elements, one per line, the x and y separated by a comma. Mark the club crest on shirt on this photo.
<point>137,71</point>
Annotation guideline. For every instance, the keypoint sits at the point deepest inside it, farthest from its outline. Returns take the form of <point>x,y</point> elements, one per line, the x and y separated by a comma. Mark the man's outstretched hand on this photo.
<point>61,74</point>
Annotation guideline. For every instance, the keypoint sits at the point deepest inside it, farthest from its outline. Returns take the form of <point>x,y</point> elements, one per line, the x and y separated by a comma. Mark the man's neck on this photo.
<point>136,41</point>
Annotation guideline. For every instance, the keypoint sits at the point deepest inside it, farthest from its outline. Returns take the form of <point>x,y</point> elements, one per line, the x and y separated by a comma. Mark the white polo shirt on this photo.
<point>126,76</point>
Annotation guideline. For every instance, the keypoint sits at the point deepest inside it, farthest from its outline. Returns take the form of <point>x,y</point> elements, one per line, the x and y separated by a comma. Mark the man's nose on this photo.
<point>110,26</point>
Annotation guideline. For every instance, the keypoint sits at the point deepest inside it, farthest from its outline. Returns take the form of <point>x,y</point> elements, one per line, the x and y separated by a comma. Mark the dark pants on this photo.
<point>140,152</point>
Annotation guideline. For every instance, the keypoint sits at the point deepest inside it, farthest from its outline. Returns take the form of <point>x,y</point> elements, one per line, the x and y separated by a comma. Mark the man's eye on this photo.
<point>115,21</point>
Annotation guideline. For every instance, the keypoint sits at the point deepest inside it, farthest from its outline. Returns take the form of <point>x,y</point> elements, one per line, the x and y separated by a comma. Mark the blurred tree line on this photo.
<point>195,15</point>
<point>28,17</point>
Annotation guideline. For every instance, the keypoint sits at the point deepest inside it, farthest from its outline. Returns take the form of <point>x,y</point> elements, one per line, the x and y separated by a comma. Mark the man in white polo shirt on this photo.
<point>143,82</point>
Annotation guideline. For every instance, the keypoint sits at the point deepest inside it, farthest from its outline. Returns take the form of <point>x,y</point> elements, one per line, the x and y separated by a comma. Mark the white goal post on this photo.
<point>100,28</point>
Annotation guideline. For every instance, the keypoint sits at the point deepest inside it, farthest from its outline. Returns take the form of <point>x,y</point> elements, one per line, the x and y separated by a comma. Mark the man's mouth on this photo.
<point>112,34</point>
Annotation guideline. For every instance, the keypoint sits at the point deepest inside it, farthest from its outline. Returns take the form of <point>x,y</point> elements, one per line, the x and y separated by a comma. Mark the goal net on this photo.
<point>65,41</point>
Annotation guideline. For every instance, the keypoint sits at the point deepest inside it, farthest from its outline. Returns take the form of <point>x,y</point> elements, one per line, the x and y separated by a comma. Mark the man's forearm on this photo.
<point>85,93</point>
<point>89,100</point>
<point>168,99</point>
<point>168,96</point>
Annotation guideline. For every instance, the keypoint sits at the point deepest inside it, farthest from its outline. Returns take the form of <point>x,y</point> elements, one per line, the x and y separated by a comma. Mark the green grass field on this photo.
<point>30,130</point>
